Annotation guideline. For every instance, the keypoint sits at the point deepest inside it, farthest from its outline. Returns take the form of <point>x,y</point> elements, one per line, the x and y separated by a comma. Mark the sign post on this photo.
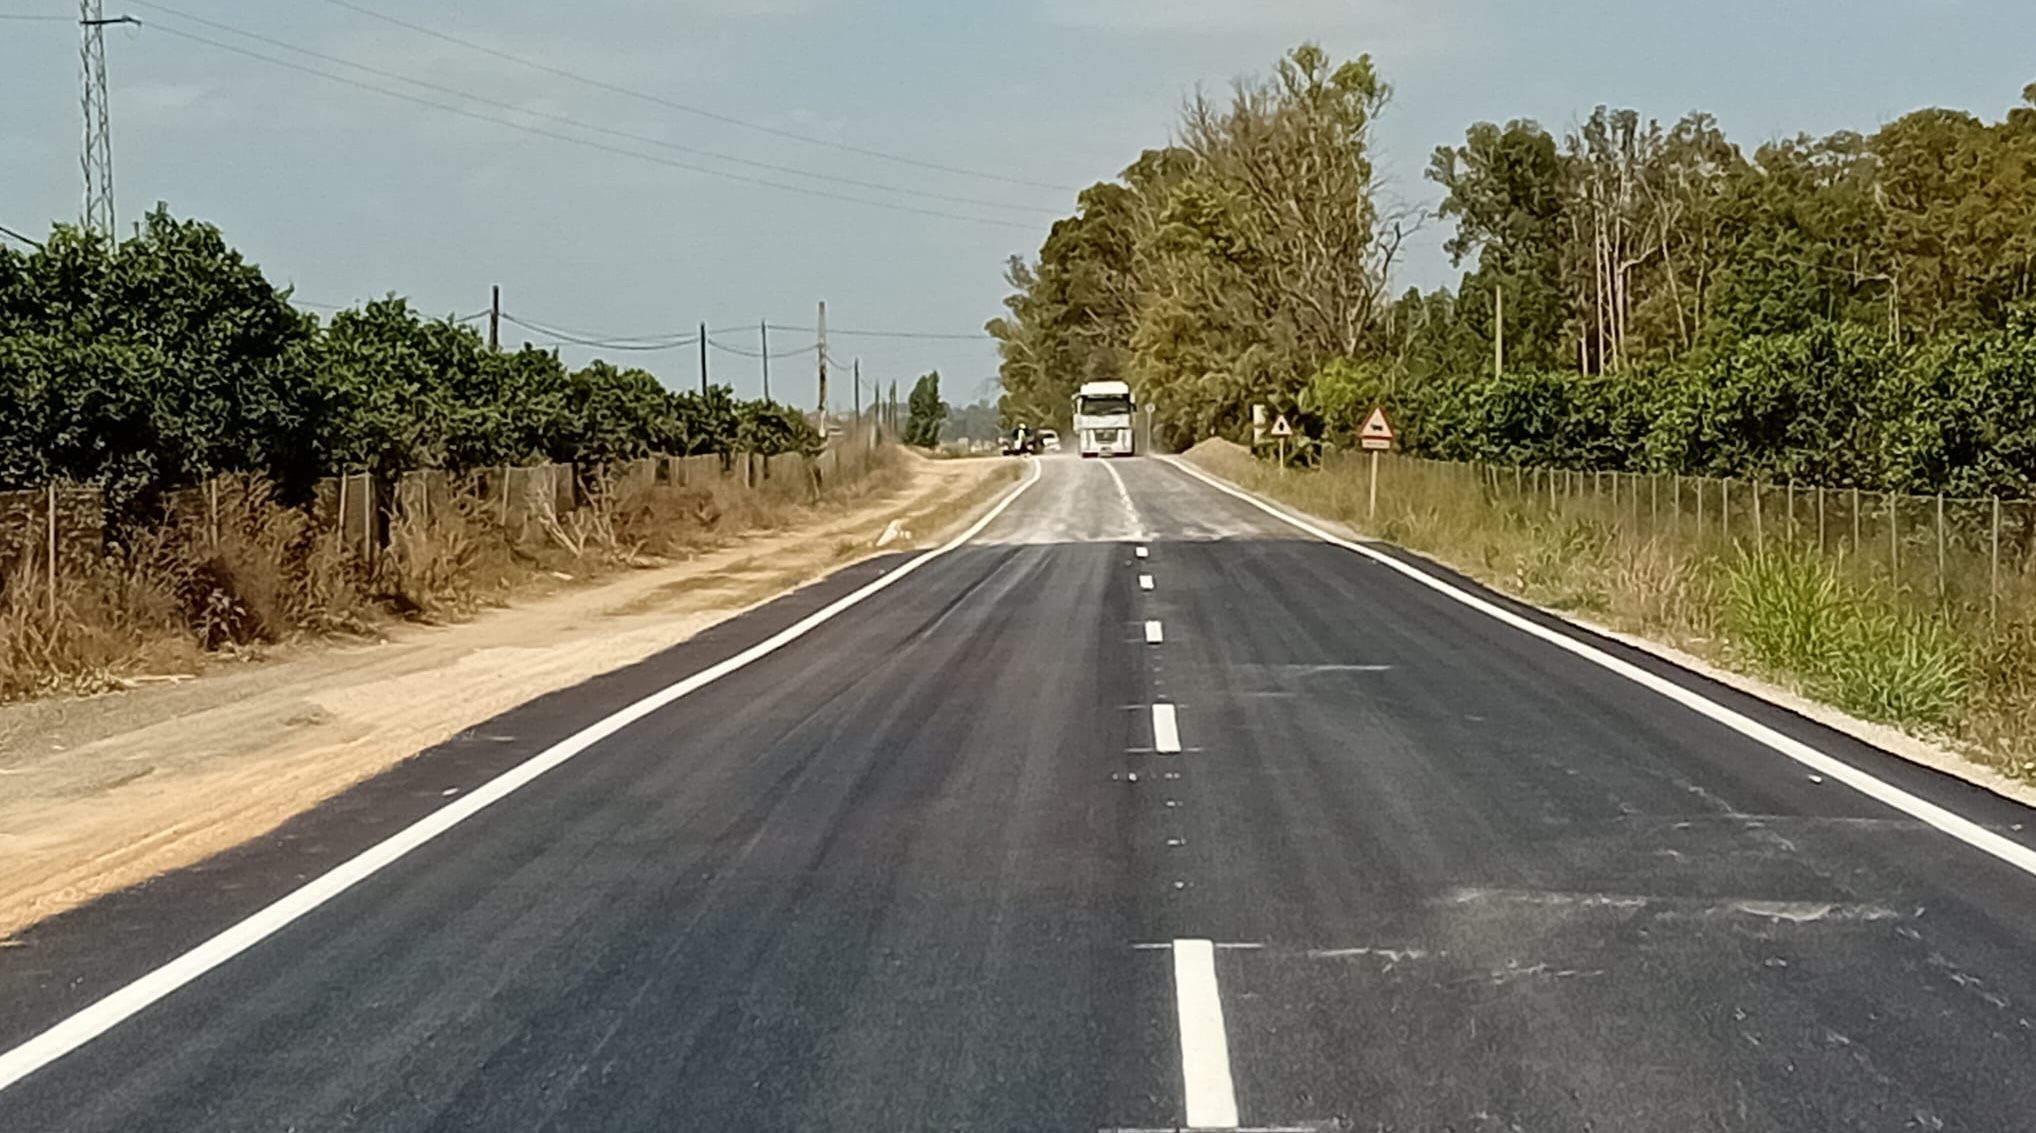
<point>1376,436</point>
<point>1282,430</point>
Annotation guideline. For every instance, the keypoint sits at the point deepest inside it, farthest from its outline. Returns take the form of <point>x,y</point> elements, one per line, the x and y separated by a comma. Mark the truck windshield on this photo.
<point>1105,406</point>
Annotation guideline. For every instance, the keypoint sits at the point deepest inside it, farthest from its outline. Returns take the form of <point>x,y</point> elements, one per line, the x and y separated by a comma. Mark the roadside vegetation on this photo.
<point>168,359</point>
<point>1640,300</point>
<point>1854,310</point>
<point>177,445</point>
<point>171,595</point>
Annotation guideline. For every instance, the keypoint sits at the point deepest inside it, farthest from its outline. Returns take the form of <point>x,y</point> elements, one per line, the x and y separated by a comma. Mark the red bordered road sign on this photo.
<point>1377,432</point>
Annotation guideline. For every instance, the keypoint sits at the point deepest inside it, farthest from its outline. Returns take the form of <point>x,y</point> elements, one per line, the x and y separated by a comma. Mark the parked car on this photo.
<point>1049,440</point>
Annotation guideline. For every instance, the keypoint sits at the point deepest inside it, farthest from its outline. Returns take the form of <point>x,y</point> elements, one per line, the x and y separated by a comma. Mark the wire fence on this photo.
<point>47,531</point>
<point>1978,554</point>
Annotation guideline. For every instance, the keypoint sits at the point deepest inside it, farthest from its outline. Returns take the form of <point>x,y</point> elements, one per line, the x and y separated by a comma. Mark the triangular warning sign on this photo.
<point>1281,428</point>
<point>1377,431</point>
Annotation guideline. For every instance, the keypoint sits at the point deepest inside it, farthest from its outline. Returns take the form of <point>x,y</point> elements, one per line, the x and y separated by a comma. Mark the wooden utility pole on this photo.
<point>823,367</point>
<point>856,394</point>
<point>495,318</point>
<point>1498,331</point>
<point>703,359</point>
<point>763,334</point>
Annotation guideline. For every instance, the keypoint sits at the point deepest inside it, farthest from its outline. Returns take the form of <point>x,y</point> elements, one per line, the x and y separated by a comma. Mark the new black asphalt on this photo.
<point>899,875</point>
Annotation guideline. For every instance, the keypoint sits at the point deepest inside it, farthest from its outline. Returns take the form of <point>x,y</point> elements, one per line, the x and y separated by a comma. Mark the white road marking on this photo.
<point>1154,635</point>
<point>1166,730</point>
<point>1211,1098</point>
<point>1124,499</point>
<point>110,1012</point>
<point>1141,552</point>
<point>1232,1129</point>
<point>1958,826</point>
<point>1145,582</point>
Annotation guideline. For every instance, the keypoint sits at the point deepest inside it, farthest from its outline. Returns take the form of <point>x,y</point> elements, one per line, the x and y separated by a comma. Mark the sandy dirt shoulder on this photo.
<point>100,793</point>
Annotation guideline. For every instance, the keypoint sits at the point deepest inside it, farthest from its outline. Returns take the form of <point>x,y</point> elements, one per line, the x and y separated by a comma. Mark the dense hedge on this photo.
<point>1835,404</point>
<point>169,358</point>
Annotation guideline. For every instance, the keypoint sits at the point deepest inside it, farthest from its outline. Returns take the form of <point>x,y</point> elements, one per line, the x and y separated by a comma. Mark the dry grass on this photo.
<point>168,596</point>
<point>1925,654</point>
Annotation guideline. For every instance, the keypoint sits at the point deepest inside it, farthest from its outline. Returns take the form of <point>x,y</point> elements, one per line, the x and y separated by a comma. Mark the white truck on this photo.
<point>1103,419</point>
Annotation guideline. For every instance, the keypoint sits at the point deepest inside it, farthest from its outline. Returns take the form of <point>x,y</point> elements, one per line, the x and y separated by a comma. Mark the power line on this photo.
<point>33,243</point>
<point>578,124</point>
<point>38,19</point>
<point>584,142</point>
<point>978,336</point>
<point>726,119</point>
<point>683,338</point>
<point>745,353</point>
<point>600,344</point>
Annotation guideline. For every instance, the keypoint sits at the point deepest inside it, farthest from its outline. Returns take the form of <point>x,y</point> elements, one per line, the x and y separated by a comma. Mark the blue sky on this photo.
<point>348,194</point>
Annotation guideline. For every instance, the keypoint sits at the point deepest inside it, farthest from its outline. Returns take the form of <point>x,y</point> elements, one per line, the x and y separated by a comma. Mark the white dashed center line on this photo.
<point>1153,634</point>
<point>1205,1048</point>
<point>1166,730</point>
<point>1145,582</point>
<point>1142,552</point>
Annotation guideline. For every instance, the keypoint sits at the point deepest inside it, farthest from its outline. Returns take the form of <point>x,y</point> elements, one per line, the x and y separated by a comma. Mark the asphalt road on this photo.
<point>935,865</point>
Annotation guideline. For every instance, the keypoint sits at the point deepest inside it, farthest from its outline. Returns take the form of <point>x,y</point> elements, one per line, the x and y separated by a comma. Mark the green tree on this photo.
<point>927,412</point>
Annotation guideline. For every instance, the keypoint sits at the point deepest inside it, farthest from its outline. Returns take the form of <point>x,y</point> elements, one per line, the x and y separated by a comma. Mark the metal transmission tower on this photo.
<point>97,160</point>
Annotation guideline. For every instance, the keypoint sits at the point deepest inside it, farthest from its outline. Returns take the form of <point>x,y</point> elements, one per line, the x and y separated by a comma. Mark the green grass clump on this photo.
<point>1797,615</point>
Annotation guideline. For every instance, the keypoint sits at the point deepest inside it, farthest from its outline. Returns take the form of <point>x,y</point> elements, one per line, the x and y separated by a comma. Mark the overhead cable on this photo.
<point>832,331</point>
<point>599,344</point>
<point>591,127</point>
<point>746,353</point>
<point>659,100</point>
<point>586,143</point>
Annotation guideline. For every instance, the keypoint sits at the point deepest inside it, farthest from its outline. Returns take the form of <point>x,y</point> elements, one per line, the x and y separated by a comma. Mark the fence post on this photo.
<point>368,516</point>
<point>1894,542</point>
<point>50,573</point>
<point>1700,509</point>
<point>505,497</point>
<point>1994,572</point>
<point>1759,532</point>
<point>1820,519</point>
<point>1943,587</point>
<point>212,510</point>
<point>1856,549</point>
<point>1725,508</point>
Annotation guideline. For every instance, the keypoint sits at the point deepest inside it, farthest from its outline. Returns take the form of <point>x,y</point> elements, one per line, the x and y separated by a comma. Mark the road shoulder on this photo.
<point>107,792</point>
<point>1891,741</point>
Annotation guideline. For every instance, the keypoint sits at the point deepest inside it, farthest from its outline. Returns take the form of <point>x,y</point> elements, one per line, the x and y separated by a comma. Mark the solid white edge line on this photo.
<point>1154,633</point>
<point>1964,829</point>
<point>1166,730</point>
<point>1145,582</point>
<point>1209,1096</point>
<point>117,1007</point>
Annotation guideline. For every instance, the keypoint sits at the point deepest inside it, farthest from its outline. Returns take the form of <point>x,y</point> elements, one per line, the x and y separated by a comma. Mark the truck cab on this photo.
<point>1103,419</point>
